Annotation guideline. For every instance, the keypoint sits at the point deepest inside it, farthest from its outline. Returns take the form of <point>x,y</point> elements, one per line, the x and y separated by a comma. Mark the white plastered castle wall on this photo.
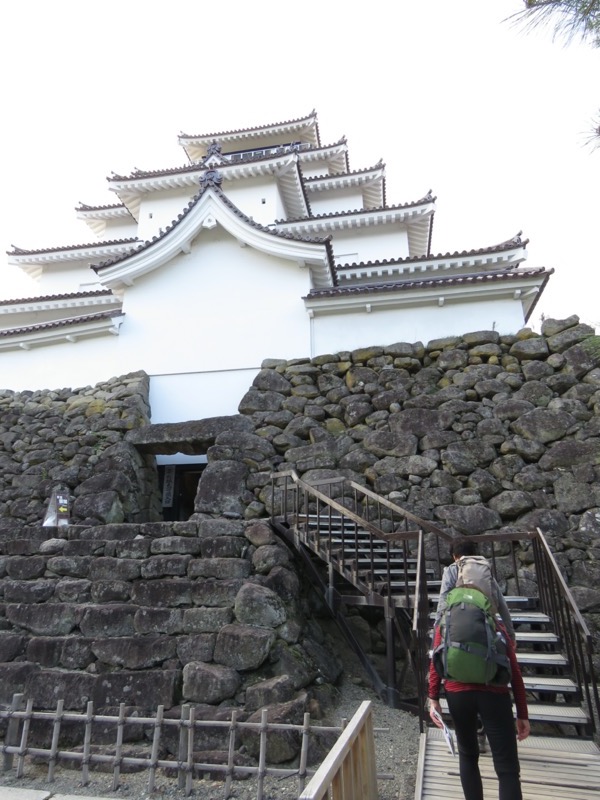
<point>353,329</point>
<point>370,244</point>
<point>200,326</point>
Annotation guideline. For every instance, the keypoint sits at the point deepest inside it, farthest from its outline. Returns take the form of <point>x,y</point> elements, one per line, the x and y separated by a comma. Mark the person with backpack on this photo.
<point>470,569</point>
<point>474,659</point>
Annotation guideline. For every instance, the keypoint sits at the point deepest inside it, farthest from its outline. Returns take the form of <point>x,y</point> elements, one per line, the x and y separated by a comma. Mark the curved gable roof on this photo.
<point>209,208</point>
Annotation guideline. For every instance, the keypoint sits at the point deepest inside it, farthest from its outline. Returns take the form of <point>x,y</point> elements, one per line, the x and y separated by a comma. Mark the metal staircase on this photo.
<point>362,550</point>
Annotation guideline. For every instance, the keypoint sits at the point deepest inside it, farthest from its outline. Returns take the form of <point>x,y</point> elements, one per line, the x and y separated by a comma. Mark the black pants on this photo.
<point>495,711</point>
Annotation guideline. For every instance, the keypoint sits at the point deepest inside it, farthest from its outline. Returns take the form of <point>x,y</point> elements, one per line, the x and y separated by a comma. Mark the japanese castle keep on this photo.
<point>266,244</point>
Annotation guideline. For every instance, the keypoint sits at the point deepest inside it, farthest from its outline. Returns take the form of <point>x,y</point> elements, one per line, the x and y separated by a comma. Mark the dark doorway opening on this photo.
<point>178,486</point>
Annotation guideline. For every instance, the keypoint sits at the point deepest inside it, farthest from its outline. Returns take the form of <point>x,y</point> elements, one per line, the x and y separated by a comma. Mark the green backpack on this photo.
<point>472,650</point>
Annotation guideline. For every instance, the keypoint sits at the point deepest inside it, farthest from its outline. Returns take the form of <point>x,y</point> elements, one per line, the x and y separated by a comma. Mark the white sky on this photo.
<point>448,94</point>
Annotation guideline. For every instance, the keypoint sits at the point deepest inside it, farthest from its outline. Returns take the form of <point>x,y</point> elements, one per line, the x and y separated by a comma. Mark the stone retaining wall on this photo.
<point>156,613</point>
<point>75,439</point>
<point>478,433</point>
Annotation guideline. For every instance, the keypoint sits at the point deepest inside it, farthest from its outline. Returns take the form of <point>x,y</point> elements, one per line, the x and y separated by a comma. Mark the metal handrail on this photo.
<point>420,627</point>
<point>557,601</point>
<point>347,566</point>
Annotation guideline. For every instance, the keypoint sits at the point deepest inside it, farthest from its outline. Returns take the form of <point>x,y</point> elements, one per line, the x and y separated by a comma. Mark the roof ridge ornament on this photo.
<point>211,178</point>
<point>213,149</point>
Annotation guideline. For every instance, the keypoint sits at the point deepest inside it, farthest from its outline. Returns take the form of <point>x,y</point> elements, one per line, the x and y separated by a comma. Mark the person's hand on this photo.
<point>434,705</point>
<point>523,729</point>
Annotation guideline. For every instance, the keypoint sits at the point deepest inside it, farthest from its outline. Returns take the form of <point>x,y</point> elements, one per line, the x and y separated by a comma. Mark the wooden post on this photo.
<point>87,744</point>
<point>55,739</point>
<point>12,730</point>
<point>24,737</point>
<point>190,754</point>
<point>262,756</point>
<point>182,752</point>
<point>118,747</point>
<point>304,752</point>
<point>231,753</point>
<point>154,751</point>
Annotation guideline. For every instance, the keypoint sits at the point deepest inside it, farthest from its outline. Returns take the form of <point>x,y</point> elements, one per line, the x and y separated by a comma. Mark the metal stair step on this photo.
<point>521,616</point>
<point>379,553</point>
<point>536,637</point>
<point>529,618</point>
<point>541,683</point>
<point>543,712</point>
<point>349,543</point>
<point>542,659</point>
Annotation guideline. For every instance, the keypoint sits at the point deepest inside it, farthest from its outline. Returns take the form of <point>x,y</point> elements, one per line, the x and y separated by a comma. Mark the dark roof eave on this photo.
<point>432,283</point>
<point>18,251</point>
<point>62,323</point>
<point>220,134</point>
<point>333,214</point>
<point>499,248</point>
<point>55,297</point>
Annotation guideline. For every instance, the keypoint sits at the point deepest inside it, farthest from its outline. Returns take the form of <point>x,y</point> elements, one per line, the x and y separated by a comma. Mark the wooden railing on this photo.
<point>23,721</point>
<point>349,771</point>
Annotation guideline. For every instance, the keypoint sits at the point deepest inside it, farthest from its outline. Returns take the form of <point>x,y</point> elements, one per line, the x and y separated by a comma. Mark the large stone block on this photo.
<point>158,620</point>
<point>269,556</point>
<point>220,489</point>
<point>215,592</point>
<point>25,567</point>
<point>11,646</point>
<point>243,647</point>
<point>37,591</point>
<point>110,592</point>
<point>136,652</point>
<point>182,545</point>
<point>282,745</point>
<point>197,647</point>
<point>123,569</point>
<point>219,568</point>
<point>52,619</point>
<point>47,686</point>
<point>165,565</point>
<point>105,507</point>
<point>223,546</point>
<point>14,677</point>
<point>206,620</point>
<point>106,621</point>
<point>146,689</point>
<point>209,683</point>
<point>258,605</point>
<point>157,593</point>
<point>543,425</point>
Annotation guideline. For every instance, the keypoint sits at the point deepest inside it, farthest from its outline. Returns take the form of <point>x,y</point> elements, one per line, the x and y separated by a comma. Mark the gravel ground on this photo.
<point>396,747</point>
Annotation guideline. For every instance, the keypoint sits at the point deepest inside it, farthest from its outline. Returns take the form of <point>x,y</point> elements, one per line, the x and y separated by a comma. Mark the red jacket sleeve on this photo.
<point>435,682</point>
<point>516,682</point>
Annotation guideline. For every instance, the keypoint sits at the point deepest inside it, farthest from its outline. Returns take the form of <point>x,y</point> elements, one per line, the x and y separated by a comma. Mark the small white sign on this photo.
<point>168,487</point>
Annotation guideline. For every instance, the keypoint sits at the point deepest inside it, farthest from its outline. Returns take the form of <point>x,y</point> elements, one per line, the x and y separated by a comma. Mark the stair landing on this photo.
<point>550,767</point>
